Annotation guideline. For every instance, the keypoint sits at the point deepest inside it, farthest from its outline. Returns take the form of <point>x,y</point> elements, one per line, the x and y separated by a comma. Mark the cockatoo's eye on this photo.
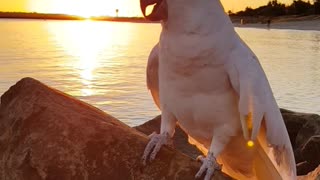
<point>159,11</point>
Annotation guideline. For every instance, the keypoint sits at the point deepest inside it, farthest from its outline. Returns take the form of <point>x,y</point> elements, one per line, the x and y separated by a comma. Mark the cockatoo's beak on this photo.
<point>159,12</point>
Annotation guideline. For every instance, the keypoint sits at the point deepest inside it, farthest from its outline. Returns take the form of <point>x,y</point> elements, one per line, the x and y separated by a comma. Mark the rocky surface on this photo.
<point>303,130</point>
<point>314,175</point>
<point>45,134</point>
<point>311,153</point>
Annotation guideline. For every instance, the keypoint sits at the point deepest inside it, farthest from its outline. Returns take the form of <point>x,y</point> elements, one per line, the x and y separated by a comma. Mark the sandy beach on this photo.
<point>311,23</point>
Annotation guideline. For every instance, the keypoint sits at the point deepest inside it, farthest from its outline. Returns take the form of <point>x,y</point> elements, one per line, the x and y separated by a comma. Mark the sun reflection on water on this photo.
<point>84,41</point>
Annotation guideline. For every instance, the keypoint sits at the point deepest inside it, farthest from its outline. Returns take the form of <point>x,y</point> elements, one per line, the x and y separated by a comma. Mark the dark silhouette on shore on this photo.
<point>117,12</point>
<point>268,23</point>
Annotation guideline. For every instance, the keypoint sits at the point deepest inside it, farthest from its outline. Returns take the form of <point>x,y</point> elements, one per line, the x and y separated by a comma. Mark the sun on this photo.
<point>84,8</point>
<point>86,15</point>
<point>87,9</point>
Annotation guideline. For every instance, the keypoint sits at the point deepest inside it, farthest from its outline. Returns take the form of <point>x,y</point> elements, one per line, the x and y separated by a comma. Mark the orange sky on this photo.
<point>104,7</point>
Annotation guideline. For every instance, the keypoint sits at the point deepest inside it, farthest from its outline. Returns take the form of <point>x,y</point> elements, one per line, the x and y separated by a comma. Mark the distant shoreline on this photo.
<point>311,22</point>
<point>293,25</point>
<point>21,15</point>
<point>42,16</point>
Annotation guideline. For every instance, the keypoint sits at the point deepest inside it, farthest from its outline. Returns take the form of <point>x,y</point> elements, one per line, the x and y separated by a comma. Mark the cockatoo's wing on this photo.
<point>152,74</point>
<point>257,103</point>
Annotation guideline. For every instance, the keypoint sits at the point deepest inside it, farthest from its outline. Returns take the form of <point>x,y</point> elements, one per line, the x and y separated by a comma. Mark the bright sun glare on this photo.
<point>83,41</point>
<point>84,8</point>
<point>87,8</point>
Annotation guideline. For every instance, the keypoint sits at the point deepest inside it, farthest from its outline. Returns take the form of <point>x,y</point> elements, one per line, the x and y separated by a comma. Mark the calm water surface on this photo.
<point>103,63</point>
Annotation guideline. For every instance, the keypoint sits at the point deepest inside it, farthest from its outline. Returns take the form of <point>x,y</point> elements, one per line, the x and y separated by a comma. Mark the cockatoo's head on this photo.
<point>159,12</point>
<point>182,12</point>
<point>164,9</point>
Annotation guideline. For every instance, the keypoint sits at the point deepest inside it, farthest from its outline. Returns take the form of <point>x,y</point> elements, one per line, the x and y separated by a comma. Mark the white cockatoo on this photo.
<point>205,78</point>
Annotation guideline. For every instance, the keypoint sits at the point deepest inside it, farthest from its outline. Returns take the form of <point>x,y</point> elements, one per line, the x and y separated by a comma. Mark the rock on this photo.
<point>303,168</point>
<point>286,111</point>
<point>311,152</point>
<point>301,127</point>
<point>294,122</point>
<point>180,138</point>
<point>314,175</point>
<point>46,134</point>
<point>309,129</point>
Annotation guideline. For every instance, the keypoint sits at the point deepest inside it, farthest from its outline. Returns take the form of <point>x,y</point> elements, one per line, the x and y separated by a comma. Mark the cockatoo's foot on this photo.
<point>154,145</point>
<point>209,164</point>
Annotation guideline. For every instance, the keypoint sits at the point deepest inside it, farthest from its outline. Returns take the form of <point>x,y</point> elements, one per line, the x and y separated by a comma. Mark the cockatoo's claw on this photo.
<point>209,164</point>
<point>152,134</point>
<point>200,158</point>
<point>154,145</point>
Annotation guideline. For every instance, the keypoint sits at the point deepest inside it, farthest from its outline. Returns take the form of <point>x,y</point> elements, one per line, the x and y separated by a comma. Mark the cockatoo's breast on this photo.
<point>197,91</point>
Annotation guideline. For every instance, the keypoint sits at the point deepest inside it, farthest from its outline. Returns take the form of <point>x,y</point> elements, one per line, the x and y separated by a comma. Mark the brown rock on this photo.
<point>311,152</point>
<point>286,111</point>
<point>301,127</point>
<point>303,168</point>
<point>294,122</point>
<point>314,175</point>
<point>309,129</point>
<point>45,134</point>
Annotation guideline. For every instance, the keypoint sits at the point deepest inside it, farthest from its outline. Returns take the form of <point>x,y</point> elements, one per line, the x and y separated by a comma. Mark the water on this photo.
<point>103,63</point>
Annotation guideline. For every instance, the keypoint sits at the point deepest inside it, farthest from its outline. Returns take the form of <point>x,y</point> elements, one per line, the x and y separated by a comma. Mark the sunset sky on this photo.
<point>103,7</point>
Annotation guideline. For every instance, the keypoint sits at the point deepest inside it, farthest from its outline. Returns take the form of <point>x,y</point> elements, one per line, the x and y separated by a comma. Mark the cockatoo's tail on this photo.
<point>244,127</point>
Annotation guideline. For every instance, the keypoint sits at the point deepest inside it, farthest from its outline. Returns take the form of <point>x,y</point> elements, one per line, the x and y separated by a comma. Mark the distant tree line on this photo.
<point>274,8</point>
<point>34,15</point>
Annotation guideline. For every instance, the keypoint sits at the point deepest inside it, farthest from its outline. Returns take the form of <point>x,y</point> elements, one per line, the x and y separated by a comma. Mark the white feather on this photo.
<point>152,74</point>
<point>255,96</point>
